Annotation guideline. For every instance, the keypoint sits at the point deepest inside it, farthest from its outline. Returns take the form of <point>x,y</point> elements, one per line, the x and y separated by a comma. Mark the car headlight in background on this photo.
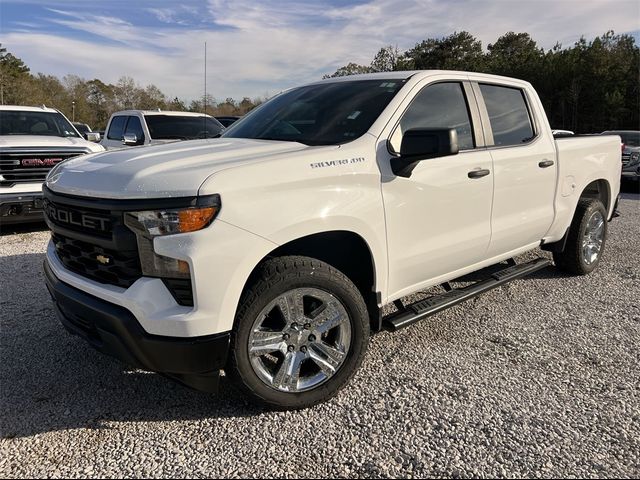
<point>634,157</point>
<point>149,224</point>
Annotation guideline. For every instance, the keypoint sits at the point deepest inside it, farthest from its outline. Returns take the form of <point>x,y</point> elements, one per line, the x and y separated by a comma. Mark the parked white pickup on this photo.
<point>270,252</point>
<point>130,128</point>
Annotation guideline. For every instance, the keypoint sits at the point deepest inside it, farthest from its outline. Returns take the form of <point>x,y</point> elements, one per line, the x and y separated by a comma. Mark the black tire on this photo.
<point>276,277</point>
<point>571,260</point>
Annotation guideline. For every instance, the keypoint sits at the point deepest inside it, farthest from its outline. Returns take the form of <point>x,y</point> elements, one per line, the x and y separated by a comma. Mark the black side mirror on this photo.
<point>422,143</point>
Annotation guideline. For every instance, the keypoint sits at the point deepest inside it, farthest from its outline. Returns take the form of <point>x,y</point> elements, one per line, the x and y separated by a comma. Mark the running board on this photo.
<point>423,308</point>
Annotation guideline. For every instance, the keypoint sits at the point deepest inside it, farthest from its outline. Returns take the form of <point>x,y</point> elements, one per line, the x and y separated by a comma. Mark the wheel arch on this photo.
<point>344,250</point>
<point>599,189</point>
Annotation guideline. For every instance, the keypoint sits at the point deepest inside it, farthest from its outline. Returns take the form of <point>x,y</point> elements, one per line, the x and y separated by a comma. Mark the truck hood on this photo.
<point>171,170</point>
<point>49,141</point>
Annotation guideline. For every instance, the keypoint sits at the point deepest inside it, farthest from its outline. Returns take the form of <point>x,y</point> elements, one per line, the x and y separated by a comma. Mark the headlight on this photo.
<point>154,223</point>
<point>633,158</point>
<point>149,224</point>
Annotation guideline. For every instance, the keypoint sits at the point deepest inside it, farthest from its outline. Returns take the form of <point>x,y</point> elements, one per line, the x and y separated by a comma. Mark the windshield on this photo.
<point>172,127</point>
<point>35,123</point>
<point>320,114</point>
<point>631,139</point>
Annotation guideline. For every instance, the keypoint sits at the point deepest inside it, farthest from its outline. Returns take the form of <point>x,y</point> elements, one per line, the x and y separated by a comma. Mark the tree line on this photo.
<point>93,101</point>
<point>588,88</point>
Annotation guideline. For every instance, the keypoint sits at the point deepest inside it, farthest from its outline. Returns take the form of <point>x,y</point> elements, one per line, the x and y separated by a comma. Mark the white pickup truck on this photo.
<point>32,141</point>
<point>131,128</point>
<point>270,252</point>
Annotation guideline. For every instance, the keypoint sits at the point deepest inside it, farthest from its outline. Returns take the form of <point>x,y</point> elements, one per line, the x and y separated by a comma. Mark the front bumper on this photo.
<point>114,330</point>
<point>21,208</point>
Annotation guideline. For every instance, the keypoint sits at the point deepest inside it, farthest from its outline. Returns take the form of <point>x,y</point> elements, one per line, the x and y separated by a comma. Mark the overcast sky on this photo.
<point>259,47</point>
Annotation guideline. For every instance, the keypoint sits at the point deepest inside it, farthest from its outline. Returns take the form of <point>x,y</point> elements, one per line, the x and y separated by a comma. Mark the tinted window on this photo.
<point>177,127</point>
<point>82,128</point>
<point>13,122</point>
<point>440,106</point>
<point>508,114</point>
<point>116,129</point>
<point>327,113</point>
<point>134,127</point>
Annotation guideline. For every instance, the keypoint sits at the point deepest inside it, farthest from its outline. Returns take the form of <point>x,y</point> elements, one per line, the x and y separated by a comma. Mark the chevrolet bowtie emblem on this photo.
<point>103,260</point>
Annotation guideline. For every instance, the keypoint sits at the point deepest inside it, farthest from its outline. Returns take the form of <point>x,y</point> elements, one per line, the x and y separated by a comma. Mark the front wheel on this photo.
<point>587,236</point>
<point>300,333</point>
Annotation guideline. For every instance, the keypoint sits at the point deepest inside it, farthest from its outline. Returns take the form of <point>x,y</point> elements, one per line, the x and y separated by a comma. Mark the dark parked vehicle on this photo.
<point>630,152</point>
<point>227,120</point>
<point>84,130</point>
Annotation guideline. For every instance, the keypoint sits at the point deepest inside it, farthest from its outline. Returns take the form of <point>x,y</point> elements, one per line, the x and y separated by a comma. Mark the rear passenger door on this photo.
<point>524,165</point>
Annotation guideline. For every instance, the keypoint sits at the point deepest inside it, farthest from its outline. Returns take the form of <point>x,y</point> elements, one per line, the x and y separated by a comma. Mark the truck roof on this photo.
<point>22,108</point>
<point>160,112</point>
<point>405,74</point>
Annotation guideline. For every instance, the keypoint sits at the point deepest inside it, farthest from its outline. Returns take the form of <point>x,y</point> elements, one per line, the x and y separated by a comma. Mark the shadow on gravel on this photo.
<point>51,380</point>
<point>11,229</point>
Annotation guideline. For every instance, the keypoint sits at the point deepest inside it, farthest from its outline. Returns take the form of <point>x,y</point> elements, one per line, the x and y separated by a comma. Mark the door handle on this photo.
<point>478,173</point>
<point>545,163</point>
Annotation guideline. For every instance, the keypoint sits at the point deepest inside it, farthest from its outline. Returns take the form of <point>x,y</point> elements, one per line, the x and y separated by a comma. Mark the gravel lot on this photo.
<point>538,378</point>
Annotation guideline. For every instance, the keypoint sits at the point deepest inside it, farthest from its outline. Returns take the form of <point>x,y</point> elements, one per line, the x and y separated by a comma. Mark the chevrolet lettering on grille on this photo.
<point>72,217</point>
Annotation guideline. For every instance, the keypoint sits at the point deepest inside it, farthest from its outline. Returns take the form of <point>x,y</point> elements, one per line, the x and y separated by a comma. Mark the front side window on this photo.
<point>439,106</point>
<point>328,113</point>
<point>508,115</point>
<point>116,128</point>
<point>14,122</point>
<point>177,127</point>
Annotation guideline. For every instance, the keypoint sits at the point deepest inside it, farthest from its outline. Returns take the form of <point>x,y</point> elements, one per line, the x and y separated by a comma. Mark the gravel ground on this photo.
<point>537,378</point>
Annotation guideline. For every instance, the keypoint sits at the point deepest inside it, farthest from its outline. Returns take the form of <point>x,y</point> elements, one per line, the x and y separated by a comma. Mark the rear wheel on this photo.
<point>586,240</point>
<point>300,333</point>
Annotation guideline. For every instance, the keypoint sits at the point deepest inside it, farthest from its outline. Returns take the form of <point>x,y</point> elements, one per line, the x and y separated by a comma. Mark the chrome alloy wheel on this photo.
<point>300,340</point>
<point>593,237</point>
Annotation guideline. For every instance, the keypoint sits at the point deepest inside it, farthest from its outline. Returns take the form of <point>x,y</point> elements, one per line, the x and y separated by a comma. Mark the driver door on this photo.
<point>439,219</point>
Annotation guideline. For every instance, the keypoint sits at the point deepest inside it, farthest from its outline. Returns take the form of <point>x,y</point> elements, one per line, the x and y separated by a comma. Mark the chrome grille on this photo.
<point>31,165</point>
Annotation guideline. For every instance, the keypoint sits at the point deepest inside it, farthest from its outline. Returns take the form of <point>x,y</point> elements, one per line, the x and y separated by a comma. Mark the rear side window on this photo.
<point>508,115</point>
<point>439,106</point>
<point>116,129</point>
<point>134,127</point>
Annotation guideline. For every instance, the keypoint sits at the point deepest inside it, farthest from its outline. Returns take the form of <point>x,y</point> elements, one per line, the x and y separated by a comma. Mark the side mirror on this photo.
<point>93,137</point>
<point>130,140</point>
<point>420,144</point>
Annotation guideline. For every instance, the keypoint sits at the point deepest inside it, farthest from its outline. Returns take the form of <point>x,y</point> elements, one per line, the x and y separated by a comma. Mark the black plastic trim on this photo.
<point>131,205</point>
<point>28,208</point>
<point>410,314</point>
<point>114,330</point>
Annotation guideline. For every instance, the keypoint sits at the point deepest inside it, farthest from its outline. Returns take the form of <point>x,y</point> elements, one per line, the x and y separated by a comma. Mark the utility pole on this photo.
<point>204,118</point>
<point>73,111</point>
